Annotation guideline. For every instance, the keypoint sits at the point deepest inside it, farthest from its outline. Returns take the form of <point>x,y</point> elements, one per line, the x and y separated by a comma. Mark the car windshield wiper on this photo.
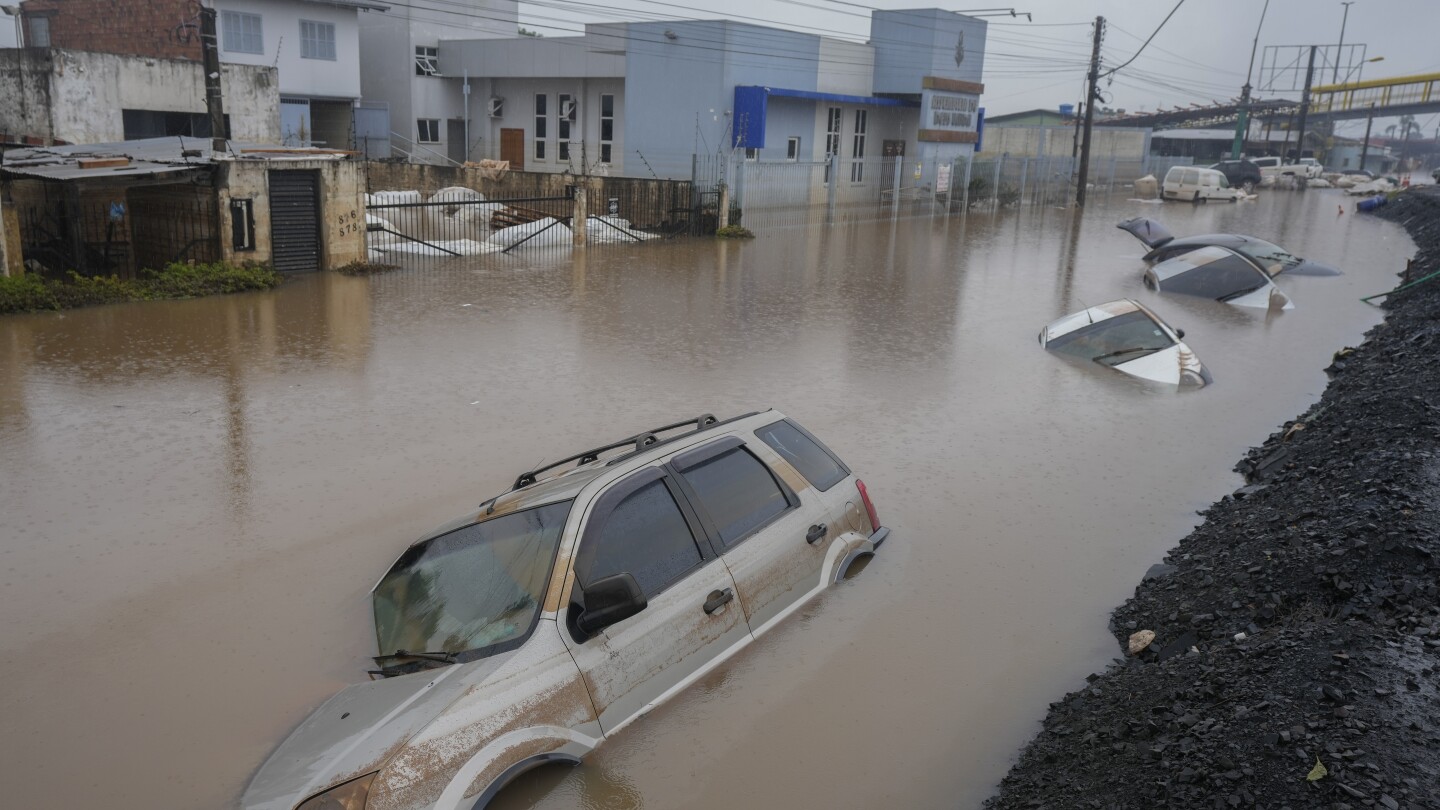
<point>437,655</point>
<point>1239,293</point>
<point>1130,350</point>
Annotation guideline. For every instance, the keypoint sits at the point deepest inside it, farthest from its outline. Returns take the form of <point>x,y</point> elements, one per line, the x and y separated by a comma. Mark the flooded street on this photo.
<point>198,495</point>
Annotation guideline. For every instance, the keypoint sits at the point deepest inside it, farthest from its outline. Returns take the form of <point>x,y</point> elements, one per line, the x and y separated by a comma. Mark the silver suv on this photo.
<point>572,604</point>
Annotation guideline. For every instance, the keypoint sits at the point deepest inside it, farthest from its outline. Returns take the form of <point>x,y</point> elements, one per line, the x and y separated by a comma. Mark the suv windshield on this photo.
<point>476,587</point>
<point>1115,340</point>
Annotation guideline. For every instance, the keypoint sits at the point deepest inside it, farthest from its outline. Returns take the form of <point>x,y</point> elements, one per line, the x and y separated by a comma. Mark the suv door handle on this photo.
<point>817,532</point>
<point>718,599</point>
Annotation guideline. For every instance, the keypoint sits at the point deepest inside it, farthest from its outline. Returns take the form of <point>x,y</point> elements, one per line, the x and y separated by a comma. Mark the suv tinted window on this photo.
<point>645,535</point>
<point>738,492</point>
<point>819,467</point>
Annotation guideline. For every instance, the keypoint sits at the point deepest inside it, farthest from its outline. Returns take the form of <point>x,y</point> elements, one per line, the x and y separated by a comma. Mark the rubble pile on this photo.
<point>1287,653</point>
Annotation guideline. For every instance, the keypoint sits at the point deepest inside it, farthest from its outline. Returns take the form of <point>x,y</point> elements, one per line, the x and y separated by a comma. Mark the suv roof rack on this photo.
<point>638,443</point>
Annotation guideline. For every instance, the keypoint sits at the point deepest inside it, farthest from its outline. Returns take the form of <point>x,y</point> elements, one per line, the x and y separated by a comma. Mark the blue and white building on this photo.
<point>643,99</point>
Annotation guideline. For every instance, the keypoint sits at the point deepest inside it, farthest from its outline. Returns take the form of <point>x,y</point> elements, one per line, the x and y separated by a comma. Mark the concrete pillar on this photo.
<point>724,213</point>
<point>11,262</point>
<point>580,216</point>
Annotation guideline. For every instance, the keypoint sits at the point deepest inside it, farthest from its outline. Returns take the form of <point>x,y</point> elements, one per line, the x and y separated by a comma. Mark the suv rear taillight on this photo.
<point>869,507</point>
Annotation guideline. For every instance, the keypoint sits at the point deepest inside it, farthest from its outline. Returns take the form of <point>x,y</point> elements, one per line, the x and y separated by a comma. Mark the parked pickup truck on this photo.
<point>1309,168</point>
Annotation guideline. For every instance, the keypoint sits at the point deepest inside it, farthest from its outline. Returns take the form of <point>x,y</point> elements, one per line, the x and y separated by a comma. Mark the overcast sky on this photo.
<point>1200,55</point>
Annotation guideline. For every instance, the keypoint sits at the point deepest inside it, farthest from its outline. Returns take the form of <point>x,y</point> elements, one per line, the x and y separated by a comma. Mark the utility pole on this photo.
<point>1304,108</point>
<point>1340,49</point>
<point>1365,147</point>
<point>1090,95</point>
<point>210,61</point>
<point>1242,121</point>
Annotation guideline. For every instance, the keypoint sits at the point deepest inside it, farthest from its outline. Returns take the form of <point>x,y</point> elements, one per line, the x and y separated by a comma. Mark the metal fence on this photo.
<point>402,228</point>
<point>116,237</point>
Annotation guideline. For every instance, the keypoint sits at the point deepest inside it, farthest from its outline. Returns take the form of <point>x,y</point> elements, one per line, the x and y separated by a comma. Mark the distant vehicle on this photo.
<point>1267,256</point>
<point>1274,167</point>
<point>1435,175</point>
<point>1129,338</point>
<point>539,625</point>
<point>1219,273</point>
<point>1195,184</point>
<point>1365,173</point>
<point>1241,174</point>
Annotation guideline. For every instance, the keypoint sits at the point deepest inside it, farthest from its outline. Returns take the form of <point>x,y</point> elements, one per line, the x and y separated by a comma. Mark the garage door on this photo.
<point>295,220</point>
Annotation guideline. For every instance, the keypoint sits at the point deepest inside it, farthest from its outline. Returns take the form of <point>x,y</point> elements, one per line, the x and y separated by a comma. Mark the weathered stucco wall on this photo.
<point>342,207</point>
<point>79,96</point>
<point>1030,141</point>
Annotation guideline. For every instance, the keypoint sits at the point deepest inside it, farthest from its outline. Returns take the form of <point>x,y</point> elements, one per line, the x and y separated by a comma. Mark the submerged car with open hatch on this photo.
<point>585,595</point>
<point>1267,256</point>
<point>1218,273</point>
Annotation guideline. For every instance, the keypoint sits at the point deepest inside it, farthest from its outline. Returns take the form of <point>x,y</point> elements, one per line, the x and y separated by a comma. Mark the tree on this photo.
<point>526,32</point>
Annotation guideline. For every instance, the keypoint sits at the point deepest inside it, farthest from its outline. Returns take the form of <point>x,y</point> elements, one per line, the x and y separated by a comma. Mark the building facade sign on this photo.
<point>949,110</point>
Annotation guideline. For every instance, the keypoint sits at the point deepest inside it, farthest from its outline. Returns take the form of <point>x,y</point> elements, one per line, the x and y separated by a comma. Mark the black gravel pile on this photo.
<point>1300,624</point>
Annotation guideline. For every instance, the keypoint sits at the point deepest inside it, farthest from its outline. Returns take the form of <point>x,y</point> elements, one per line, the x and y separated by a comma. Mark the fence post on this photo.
<point>995,186</point>
<point>580,218</point>
<point>723,215</point>
<point>833,169</point>
<point>1024,175</point>
<point>965,195</point>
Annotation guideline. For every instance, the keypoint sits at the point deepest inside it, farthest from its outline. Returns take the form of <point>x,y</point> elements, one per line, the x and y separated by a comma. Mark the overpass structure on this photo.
<point>1399,95</point>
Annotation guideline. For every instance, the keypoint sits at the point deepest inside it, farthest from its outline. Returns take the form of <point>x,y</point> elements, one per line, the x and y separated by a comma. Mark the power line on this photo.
<point>1147,40</point>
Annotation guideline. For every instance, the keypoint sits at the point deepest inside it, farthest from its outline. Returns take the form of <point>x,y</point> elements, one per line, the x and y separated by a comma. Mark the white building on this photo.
<point>315,45</point>
<point>410,108</point>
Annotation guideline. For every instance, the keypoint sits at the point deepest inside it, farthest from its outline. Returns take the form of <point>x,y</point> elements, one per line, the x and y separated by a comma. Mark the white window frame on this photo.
<point>433,124</point>
<point>607,145</point>
<point>313,43</point>
<point>427,60</point>
<point>563,126</point>
<point>542,128</point>
<point>235,36</point>
<point>751,154</point>
<point>792,148</point>
<point>834,123</point>
<point>857,146</point>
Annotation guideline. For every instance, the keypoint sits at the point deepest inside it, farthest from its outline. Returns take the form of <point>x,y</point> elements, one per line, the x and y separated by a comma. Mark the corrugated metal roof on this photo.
<point>148,156</point>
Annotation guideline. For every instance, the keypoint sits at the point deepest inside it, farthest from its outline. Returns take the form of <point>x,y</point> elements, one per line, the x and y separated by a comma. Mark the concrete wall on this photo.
<point>78,96</point>
<point>910,45</point>
<point>342,207</point>
<point>1023,141</point>
<point>280,36</point>
<point>847,68</point>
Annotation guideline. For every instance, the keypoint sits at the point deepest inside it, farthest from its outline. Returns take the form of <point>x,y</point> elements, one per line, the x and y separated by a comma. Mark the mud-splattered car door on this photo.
<point>774,541</point>
<point>643,526</point>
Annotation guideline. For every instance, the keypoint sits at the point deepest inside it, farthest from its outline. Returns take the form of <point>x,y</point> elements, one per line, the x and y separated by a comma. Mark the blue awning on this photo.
<point>752,102</point>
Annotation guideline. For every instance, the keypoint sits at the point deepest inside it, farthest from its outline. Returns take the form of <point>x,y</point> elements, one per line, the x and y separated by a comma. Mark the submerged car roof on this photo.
<point>1092,315</point>
<point>1200,257</point>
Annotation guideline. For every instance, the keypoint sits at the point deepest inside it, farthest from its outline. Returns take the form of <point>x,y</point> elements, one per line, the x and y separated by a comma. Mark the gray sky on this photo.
<point>1200,55</point>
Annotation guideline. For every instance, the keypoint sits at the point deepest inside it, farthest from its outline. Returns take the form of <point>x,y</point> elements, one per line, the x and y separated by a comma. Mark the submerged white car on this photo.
<point>1127,337</point>
<point>571,605</point>
<point>1219,273</point>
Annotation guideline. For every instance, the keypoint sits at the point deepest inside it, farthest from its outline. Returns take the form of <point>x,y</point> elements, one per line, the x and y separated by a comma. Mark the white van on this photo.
<point>1193,184</point>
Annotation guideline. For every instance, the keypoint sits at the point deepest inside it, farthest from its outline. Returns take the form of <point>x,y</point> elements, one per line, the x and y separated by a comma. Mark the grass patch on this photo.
<point>734,232</point>
<point>359,268</point>
<point>31,293</point>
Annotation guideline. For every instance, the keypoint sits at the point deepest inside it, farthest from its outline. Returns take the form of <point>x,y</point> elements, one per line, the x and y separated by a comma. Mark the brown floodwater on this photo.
<point>198,495</point>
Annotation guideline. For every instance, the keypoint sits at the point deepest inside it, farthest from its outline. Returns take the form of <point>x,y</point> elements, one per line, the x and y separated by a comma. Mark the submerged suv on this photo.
<point>587,594</point>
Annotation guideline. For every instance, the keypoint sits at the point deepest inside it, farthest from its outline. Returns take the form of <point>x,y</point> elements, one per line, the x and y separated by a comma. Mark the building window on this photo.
<point>752,154</point>
<point>317,40</point>
<point>792,149</point>
<point>567,114</point>
<point>427,61</point>
<point>542,119</point>
<point>137,124</point>
<point>38,31</point>
<point>857,147</point>
<point>429,130</point>
<point>832,137</point>
<point>242,32</point>
<point>242,225</point>
<point>607,126</point>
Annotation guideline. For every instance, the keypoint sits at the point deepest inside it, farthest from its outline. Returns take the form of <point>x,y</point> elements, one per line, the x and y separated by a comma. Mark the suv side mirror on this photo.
<point>609,600</point>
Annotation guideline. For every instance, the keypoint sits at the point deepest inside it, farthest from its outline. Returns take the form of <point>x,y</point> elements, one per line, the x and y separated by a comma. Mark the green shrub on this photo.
<point>734,232</point>
<point>30,293</point>
<point>359,268</point>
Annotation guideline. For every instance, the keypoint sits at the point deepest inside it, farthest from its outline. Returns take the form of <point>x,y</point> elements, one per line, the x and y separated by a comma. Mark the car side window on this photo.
<point>820,468</point>
<point>738,492</point>
<point>645,535</point>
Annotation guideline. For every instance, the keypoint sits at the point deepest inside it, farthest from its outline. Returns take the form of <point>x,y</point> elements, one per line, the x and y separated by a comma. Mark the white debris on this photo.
<point>1379,185</point>
<point>449,247</point>
<point>1240,636</point>
<point>409,221</point>
<point>1147,187</point>
<point>1318,183</point>
<point>467,212</point>
<point>547,231</point>
<point>614,229</point>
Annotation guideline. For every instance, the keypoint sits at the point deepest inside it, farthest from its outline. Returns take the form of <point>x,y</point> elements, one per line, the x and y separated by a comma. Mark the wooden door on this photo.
<point>512,148</point>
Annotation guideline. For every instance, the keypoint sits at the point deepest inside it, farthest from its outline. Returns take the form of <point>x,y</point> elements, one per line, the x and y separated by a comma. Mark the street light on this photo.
<point>1242,121</point>
<point>1361,65</point>
<point>1339,49</point>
